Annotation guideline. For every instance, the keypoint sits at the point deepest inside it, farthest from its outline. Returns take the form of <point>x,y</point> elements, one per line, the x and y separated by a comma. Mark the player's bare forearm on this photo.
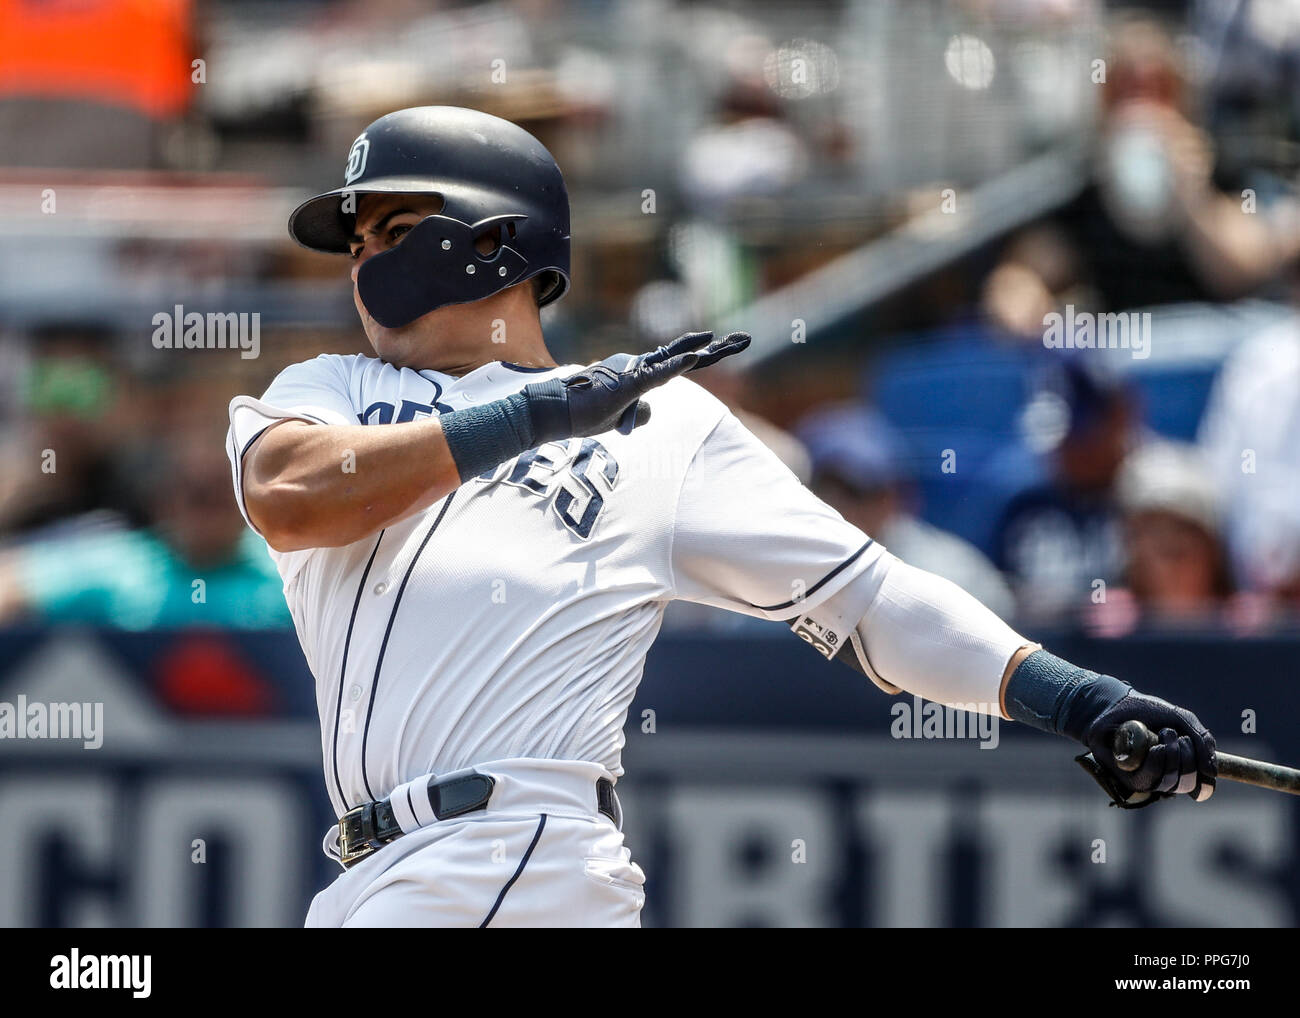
<point>325,486</point>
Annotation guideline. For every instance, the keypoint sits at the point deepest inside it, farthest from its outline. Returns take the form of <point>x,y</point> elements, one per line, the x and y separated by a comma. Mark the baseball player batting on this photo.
<point>478,544</point>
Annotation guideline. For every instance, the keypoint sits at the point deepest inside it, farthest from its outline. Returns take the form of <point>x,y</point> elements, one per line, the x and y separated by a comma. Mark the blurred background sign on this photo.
<point>765,788</point>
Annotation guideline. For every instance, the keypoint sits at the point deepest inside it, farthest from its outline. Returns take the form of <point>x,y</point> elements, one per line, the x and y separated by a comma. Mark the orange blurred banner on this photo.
<point>132,53</point>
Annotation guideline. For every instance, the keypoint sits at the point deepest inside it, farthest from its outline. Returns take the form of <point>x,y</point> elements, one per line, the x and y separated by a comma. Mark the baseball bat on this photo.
<point>1133,739</point>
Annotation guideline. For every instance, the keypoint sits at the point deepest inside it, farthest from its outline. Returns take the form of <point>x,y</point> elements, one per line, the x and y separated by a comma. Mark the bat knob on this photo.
<point>1130,744</point>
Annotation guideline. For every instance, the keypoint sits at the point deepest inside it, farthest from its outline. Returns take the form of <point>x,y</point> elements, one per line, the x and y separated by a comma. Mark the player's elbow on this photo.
<point>292,515</point>
<point>280,513</point>
<point>279,493</point>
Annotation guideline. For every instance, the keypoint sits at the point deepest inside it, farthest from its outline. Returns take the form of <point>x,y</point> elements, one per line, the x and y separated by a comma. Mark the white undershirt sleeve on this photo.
<point>925,635</point>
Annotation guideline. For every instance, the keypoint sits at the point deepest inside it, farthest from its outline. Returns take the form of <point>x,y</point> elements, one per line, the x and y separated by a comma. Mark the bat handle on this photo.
<point>1130,743</point>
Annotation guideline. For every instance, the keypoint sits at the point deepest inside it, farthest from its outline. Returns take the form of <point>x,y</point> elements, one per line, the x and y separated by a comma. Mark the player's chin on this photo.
<point>388,343</point>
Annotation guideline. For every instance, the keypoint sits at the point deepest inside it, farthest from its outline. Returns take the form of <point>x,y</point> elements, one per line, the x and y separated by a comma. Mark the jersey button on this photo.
<point>381,588</point>
<point>355,693</point>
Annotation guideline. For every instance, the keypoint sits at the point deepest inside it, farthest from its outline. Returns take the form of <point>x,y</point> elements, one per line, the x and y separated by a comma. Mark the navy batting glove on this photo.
<point>599,398</point>
<point>1182,762</point>
<point>1053,695</point>
<point>607,396</point>
<point>709,352</point>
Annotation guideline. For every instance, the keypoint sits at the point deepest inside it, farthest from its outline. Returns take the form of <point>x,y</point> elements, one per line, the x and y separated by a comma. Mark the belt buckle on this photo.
<point>357,833</point>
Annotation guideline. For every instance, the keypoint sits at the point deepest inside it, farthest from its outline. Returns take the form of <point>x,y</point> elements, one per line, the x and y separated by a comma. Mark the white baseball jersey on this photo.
<point>512,618</point>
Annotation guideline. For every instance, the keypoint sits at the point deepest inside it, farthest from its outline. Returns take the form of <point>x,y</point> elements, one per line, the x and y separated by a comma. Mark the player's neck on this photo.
<point>477,334</point>
<point>469,342</point>
<point>455,360</point>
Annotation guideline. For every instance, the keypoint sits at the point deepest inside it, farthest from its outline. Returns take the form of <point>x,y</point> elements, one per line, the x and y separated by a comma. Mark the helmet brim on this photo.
<point>320,223</point>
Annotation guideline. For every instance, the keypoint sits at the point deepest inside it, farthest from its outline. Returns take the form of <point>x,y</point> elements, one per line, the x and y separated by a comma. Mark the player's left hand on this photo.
<point>1182,762</point>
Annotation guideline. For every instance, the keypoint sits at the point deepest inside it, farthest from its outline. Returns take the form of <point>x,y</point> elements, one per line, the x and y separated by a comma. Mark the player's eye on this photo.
<point>395,233</point>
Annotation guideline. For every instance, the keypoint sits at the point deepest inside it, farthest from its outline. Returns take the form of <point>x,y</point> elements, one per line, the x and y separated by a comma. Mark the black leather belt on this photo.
<point>369,827</point>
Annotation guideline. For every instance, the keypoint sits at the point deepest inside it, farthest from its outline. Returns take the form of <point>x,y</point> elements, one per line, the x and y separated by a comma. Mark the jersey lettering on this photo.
<point>579,490</point>
<point>382,413</point>
<point>579,508</point>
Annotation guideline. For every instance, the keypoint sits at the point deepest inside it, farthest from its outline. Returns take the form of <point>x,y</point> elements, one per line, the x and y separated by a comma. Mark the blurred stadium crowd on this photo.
<point>1003,162</point>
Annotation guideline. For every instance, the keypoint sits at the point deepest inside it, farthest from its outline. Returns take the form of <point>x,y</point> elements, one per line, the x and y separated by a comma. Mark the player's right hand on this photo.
<point>1181,762</point>
<point>607,396</point>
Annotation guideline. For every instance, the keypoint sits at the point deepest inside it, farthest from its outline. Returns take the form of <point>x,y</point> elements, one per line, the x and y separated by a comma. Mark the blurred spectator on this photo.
<point>1249,54</point>
<point>197,564</point>
<point>1039,272</point>
<point>1251,435</point>
<point>858,468</point>
<point>59,469</point>
<point>1154,226</point>
<point>1057,537</point>
<point>1176,570</point>
<point>750,150</point>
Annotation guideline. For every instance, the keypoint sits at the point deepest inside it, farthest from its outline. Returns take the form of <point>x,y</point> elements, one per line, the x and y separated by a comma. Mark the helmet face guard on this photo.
<point>437,264</point>
<point>490,174</point>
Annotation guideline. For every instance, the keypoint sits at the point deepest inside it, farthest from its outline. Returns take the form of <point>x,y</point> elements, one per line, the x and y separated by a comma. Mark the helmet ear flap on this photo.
<point>542,283</point>
<point>546,286</point>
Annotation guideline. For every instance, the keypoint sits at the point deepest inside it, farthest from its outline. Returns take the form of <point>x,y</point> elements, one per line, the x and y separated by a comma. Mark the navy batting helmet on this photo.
<point>493,177</point>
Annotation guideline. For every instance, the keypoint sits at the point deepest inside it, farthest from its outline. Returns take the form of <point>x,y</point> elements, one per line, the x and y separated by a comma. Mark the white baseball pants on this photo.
<point>539,855</point>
